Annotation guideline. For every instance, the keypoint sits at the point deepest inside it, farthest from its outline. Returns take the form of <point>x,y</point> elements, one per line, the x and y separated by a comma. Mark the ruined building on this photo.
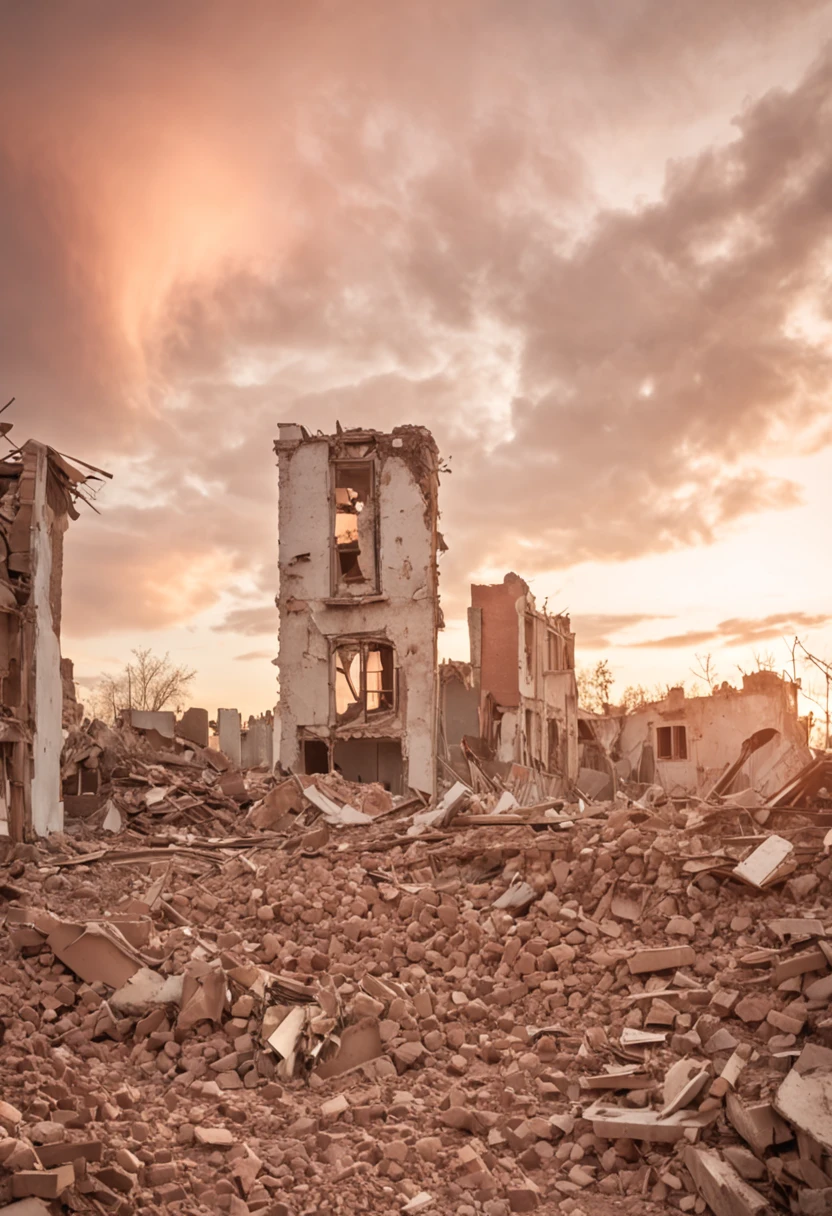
<point>518,695</point>
<point>38,490</point>
<point>359,604</point>
<point>731,740</point>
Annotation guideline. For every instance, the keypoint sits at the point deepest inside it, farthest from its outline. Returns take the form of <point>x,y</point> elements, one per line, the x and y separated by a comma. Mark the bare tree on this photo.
<point>595,685</point>
<point>148,682</point>
<point>634,696</point>
<point>706,670</point>
<point>765,660</point>
<point>825,668</point>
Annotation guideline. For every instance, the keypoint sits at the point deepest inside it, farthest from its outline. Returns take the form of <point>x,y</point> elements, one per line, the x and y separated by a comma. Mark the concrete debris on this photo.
<point>766,863</point>
<point>805,1097</point>
<point>289,1003</point>
<point>721,1186</point>
<point>339,816</point>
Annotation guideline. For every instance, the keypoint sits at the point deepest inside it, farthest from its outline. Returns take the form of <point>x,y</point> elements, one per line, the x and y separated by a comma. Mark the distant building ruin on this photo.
<point>730,740</point>
<point>516,702</point>
<point>359,604</point>
<point>38,491</point>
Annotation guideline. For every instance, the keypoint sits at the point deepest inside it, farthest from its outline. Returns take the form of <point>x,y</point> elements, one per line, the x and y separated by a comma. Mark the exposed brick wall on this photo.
<point>500,637</point>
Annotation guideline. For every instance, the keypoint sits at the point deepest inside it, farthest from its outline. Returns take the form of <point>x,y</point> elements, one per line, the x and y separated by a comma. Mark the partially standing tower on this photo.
<point>359,604</point>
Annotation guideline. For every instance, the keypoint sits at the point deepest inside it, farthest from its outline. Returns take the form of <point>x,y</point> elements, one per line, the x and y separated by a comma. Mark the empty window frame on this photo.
<point>365,680</point>
<point>355,543</point>
<point>555,651</point>
<point>672,743</point>
<point>315,756</point>
<point>553,761</point>
<point>528,639</point>
<point>531,740</point>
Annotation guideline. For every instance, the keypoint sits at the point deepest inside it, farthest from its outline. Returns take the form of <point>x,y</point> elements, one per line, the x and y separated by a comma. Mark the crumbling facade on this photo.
<point>523,663</point>
<point>359,604</point>
<point>730,740</point>
<point>38,489</point>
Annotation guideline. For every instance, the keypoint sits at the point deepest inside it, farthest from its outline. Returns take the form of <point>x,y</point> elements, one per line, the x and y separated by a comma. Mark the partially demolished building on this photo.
<point>515,705</point>
<point>524,658</point>
<point>38,491</point>
<point>359,604</point>
<point>731,740</point>
<point>307,994</point>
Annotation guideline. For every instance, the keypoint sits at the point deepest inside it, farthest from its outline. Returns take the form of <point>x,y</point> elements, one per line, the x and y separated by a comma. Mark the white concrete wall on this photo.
<point>256,744</point>
<point>229,734</point>
<point>406,617</point>
<point>716,726</point>
<point>47,804</point>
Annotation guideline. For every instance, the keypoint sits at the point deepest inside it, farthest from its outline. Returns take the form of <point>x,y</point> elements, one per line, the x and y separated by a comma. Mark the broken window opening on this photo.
<point>554,746</point>
<point>672,743</point>
<point>528,622</point>
<point>315,756</point>
<point>365,680</point>
<point>354,528</point>
<point>368,760</point>
<point>348,702</point>
<point>531,749</point>
<point>555,651</point>
<point>380,679</point>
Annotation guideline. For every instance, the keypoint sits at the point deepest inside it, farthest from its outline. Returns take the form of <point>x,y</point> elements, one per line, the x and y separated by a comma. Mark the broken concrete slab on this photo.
<point>722,1188</point>
<point>665,958</point>
<point>360,1044</point>
<point>42,1184</point>
<point>805,1097</point>
<point>765,864</point>
<point>95,953</point>
<point>614,1123</point>
<point>193,726</point>
<point>25,1207</point>
<point>758,1124</point>
<point>161,721</point>
<point>204,993</point>
<point>145,989</point>
<point>334,814</point>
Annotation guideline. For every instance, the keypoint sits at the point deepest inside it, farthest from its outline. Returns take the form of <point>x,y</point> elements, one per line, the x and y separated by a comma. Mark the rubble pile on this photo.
<point>117,777</point>
<point>356,1003</point>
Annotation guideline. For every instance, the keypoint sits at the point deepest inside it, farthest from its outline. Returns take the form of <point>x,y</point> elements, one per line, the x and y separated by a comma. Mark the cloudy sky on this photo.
<point>588,244</point>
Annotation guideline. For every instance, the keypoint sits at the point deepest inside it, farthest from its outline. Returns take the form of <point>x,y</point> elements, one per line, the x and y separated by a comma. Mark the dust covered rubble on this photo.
<point>567,1007</point>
